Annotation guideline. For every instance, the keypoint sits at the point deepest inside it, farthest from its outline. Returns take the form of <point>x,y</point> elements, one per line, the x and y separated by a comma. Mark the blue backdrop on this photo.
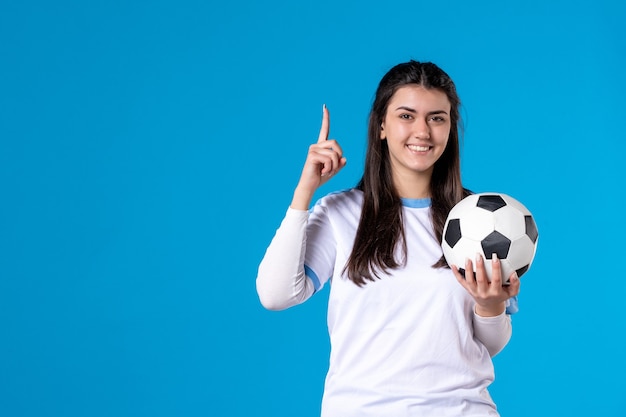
<point>149,151</point>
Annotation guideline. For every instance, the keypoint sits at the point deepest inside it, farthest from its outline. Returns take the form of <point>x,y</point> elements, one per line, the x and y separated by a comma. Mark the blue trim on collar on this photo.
<point>416,202</point>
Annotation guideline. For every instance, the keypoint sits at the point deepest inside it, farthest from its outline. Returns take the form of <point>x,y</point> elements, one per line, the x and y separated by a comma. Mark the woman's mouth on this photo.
<point>418,148</point>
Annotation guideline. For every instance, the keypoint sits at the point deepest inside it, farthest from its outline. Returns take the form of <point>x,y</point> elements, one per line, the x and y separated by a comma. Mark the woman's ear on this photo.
<point>382,132</point>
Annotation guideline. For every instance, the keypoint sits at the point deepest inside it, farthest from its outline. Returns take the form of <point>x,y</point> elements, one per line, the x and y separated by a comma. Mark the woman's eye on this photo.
<point>437,119</point>
<point>405,116</point>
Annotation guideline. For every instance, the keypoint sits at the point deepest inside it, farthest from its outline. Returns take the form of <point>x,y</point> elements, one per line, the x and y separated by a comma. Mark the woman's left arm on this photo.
<point>492,325</point>
<point>493,332</point>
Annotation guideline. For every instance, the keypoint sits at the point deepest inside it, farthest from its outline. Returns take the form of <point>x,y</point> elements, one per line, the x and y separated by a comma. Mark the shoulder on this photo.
<point>337,213</point>
<point>344,199</point>
<point>340,206</point>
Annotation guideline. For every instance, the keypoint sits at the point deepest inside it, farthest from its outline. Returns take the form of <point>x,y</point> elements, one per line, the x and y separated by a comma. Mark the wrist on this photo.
<point>301,199</point>
<point>491,310</point>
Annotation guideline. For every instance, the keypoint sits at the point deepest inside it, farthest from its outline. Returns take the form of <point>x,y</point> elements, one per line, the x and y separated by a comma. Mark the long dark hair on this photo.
<point>381,227</point>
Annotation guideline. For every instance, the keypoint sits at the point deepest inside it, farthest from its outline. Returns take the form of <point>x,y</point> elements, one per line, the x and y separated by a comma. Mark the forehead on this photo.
<point>417,97</point>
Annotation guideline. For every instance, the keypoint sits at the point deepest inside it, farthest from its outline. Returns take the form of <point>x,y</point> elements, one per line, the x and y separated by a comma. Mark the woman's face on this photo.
<point>417,127</point>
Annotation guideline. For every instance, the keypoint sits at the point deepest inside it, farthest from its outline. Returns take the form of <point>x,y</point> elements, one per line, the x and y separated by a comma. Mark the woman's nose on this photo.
<point>421,130</point>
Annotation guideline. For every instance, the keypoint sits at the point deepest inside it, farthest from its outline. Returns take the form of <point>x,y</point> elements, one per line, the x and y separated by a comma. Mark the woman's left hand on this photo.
<point>491,296</point>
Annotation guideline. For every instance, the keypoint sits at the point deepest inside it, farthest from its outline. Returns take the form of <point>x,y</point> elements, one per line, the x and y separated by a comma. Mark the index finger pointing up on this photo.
<point>325,125</point>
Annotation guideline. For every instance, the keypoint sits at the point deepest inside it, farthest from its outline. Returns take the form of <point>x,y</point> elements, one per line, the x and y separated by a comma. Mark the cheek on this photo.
<point>445,143</point>
<point>396,130</point>
<point>444,136</point>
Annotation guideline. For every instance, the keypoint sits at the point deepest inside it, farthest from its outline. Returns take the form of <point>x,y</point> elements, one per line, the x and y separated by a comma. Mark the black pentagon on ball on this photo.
<point>496,243</point>
<point>522,270</point>
<point>490,202</point>
<point>531,228</point>
<point>453,232</point>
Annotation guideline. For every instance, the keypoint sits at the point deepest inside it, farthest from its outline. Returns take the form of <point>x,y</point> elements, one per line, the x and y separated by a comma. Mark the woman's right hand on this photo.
<point>324,160</point>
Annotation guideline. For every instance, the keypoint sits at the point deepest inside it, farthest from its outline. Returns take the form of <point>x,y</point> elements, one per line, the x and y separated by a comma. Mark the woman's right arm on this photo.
<point>281,282</point>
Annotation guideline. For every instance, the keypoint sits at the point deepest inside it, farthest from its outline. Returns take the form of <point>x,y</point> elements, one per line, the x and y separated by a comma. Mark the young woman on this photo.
<point>409,335</point>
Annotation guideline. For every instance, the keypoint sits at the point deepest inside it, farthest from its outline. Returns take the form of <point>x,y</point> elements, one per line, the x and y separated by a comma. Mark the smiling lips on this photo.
<point>418,148</point>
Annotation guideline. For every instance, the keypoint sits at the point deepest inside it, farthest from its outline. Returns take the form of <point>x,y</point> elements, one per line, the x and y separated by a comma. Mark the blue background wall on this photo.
<point>149,151</point>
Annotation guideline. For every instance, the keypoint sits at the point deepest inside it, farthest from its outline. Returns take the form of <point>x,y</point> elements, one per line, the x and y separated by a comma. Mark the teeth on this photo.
<point>418,148</point>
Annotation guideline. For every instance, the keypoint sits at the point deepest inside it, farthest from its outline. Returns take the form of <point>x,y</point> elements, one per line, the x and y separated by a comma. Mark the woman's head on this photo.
<point>428,76</point>
<point>381,227</point>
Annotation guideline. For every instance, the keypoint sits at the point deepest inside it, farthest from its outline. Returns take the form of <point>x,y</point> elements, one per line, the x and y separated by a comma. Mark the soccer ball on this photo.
<point>488,223</point>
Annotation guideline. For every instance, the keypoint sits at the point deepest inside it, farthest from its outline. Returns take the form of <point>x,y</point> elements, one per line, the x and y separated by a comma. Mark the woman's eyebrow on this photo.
<point>409,109</point>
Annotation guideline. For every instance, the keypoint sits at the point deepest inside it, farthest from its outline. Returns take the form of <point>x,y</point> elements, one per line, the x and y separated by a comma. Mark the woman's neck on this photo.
<point>413,187</point>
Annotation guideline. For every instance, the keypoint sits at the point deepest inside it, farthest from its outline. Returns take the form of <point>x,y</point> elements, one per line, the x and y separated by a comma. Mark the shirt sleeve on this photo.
<point>281,280</point>
<point>512,306</point>
<point>493,332</point>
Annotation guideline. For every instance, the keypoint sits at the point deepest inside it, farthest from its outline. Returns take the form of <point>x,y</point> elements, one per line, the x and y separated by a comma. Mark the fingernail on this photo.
<point>494,258</point>
<point>479,258</point>
<point>323,106</point>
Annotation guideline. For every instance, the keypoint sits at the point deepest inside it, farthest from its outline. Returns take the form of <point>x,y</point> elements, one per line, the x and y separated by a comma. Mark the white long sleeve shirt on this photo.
<point>409,344</point>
